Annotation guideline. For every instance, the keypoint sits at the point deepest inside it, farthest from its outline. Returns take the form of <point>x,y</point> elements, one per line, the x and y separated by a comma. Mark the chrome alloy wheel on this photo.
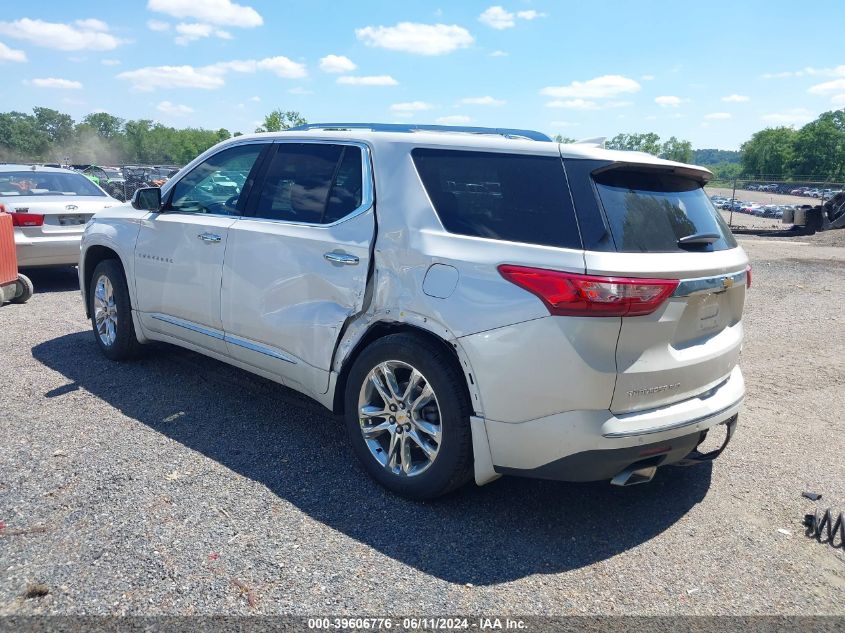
<point>400,418</point>
<point>105,311</point>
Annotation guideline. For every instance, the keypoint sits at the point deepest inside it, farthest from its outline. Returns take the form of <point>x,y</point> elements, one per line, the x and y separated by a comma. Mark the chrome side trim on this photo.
<point>188,325</point>
<point>674,425</point>
<point>716,283</point>
<point>255,347</point>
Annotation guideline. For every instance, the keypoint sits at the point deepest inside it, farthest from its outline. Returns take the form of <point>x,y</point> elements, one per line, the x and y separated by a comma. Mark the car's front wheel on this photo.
<point>407,414</point>
<point>111,312</point>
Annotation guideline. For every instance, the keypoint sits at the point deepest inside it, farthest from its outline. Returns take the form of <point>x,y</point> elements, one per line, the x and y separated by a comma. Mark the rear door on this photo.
<point>296,266</point>
<point>659,223</point>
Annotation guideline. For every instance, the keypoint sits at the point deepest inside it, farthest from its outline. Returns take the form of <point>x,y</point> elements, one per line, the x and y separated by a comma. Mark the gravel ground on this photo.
<point>179,485</point>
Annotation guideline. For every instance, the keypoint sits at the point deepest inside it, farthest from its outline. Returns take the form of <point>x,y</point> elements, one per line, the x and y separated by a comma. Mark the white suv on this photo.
<point>474,301</point>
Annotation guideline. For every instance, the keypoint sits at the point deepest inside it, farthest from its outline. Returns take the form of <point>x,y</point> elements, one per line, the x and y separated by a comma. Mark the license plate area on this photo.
<point>73,219</point>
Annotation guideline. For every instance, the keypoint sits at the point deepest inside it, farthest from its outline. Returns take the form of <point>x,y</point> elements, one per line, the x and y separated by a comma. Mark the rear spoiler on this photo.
<point>698,174</point>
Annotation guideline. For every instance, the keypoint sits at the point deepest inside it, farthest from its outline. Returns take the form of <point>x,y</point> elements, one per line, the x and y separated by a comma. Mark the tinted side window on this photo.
<point>215,185</point>
<point>347,191</point>
<point>317,183</point>
<point>513,197</point>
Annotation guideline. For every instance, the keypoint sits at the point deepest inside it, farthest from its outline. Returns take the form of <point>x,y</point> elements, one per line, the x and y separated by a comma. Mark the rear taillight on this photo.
<point>27,219</point>
<point>748,276</point>
<point>572,294</point>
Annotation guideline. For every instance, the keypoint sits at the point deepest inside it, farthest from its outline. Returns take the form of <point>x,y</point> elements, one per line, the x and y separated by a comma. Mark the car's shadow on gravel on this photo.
<point>501,532</point>
<point>59,279</point>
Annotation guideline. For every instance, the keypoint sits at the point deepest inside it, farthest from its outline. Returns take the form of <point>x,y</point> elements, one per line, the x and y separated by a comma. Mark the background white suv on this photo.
<point>474,301</point>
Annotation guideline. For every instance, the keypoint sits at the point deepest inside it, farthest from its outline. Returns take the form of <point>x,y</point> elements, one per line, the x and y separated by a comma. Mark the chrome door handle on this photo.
<point>209,237</point>
<point>341,258</point>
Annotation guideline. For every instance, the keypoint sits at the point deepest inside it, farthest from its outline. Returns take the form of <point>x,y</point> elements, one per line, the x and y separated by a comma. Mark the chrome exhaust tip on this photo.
<point>634,474</point>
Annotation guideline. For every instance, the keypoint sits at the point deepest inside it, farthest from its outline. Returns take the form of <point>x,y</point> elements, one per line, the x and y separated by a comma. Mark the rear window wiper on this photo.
<point>697,239</point>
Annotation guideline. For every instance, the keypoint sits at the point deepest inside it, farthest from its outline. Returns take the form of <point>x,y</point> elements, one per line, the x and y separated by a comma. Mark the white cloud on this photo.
<point>256,98</point>
<point>110,62</point>
<point>279,65</point>
<point>499,54</point>
<point>483,101</point>
<point>836,85</point>
<point>647,77</point>
<point>92,24</point>
<point>173,109</point>
<point>209,77</point>
<point>372,80</point>
<point>838,100</point>
<point>718,115</point>
<point>11,54</point>
<point>668,101</point>
<point>337,64</point>
<point>153,77</point>
<point>190,32</point>
<point>53,82</point>
<point>586,104</point>
<point>220,12</point>
<point>453,119</point>
<point>411,106</point>
<point>158,25</point>
<point>598,88</point>
<point>736,99</point>
<point>499,18</point>
<point>795,115</point>
<point>530,14</point>
<point>90,34</point>
<point>836,71</point>
<point>412,37</point>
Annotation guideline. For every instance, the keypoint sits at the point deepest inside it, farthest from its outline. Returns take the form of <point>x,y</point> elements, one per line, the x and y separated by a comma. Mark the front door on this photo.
<point>179,252</point>
<point>296,263</point>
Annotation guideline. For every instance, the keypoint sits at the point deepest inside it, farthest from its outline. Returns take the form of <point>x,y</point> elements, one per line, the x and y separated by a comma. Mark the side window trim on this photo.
<point>248,185</point>
<point>367,182</point>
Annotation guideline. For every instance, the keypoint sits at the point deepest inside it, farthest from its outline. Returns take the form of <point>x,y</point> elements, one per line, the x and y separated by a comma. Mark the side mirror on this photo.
<point>147,199</point>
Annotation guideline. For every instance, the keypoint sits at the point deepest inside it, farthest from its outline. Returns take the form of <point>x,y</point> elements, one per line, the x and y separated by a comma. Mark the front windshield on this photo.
<point>42,183</point>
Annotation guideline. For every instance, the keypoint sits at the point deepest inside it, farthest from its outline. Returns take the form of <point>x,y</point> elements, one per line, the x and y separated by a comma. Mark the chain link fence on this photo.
<point>771,203</point>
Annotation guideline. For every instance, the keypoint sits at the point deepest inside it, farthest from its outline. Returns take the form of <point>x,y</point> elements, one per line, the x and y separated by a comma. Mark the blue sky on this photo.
<point>712,72</point>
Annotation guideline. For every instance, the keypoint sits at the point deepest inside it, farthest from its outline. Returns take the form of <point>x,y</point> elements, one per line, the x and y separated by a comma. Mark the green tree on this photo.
<point>57,127</point>
<point>819,147</point>
<point>769,152</point>
<point>648,142</point>
<point>106,125</point>
<point>677,150</point>
<point>278,120</point>
<point>20,137</point>
<point>560,138</point>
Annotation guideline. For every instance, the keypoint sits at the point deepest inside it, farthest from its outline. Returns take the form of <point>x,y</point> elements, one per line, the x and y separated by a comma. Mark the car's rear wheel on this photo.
<point>111,312</point>
<point>407,414</point>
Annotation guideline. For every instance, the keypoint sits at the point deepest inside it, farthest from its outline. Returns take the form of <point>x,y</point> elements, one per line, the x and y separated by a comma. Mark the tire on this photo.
<point>119,342</point>
<point>426,478</point>
<point>23,289</point>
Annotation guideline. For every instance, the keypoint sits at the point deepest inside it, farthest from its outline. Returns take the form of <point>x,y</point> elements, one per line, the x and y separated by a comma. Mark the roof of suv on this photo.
<point>7,167</point>
<point>459,138</point>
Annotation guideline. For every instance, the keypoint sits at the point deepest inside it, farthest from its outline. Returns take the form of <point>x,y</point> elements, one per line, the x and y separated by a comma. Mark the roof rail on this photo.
<point>408,127</point>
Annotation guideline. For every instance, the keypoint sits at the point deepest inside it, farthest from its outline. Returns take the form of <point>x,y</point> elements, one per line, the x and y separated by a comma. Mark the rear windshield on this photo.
<point>41,183</point>
<point>510,197</point>
<point>651,211</point>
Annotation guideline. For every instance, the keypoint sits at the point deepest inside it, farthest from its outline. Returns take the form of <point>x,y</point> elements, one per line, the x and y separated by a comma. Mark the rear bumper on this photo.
<point>47,251</point>
<point>596,445</point>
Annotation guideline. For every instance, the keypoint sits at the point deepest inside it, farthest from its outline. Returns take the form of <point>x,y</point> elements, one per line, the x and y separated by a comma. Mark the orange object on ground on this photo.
<point>14,286</point>
<point>8,259</point>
